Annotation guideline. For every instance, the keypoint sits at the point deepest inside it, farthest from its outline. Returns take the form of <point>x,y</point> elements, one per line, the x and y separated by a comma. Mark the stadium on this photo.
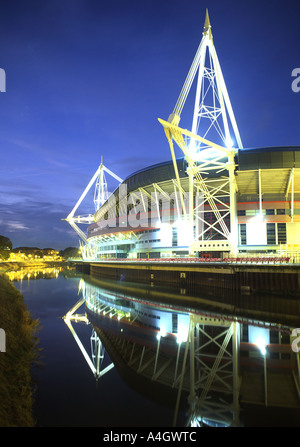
<point>143,218</point>
<point>216,200</point>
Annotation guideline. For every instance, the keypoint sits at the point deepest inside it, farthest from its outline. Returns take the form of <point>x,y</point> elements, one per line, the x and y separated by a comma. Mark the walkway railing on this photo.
<point>231,260</point>
<point>258,260</point>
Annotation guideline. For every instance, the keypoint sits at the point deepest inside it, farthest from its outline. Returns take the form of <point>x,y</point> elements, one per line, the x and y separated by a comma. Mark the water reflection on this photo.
<point>215,368</point>
<point>33,273</point>
<point>95,359</point>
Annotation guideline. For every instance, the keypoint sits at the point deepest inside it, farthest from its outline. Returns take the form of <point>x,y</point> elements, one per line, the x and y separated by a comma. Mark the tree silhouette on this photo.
<point>5,243</point>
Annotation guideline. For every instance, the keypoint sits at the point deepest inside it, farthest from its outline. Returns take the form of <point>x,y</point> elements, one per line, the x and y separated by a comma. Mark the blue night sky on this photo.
<point>86,78</point>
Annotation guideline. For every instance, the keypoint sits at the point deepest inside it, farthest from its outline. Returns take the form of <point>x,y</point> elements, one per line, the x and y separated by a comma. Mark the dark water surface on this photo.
<point>135,322</point>
<point>67,394</point>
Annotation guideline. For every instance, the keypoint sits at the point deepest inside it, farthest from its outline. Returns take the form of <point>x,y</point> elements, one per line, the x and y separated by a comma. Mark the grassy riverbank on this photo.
<point>16,393</point>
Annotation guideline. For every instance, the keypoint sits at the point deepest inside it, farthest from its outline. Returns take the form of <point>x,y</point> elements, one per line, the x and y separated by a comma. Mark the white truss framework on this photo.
<point>100,197</point>
<point>210,83</point>
<point>204,156</point>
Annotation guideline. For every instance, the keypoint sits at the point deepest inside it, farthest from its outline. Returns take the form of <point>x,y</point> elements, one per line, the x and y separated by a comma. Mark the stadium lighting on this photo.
<point>182,334</point>
<point>260,337</point>
<point>260,343</point>
<point>229,143</point>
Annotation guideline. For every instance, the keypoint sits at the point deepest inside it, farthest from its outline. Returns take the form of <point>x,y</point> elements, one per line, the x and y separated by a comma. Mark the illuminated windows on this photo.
<point>255,233</point>
<point>276,233</point>
<point>243,234</point>
<point>271,234</point>
<point>174,237</point>
<point>281,233</point>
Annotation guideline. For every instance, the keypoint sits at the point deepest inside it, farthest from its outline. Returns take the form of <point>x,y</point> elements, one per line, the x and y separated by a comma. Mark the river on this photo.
<point>121,361</point>
<point>67,393</point>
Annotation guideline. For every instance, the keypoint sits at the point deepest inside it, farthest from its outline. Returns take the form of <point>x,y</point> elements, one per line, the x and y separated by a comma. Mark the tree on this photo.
<point>70,252</point>
<point>5,247</point>
<point>5,243</point>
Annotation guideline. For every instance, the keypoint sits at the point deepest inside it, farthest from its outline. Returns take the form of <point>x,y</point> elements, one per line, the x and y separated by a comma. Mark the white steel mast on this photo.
<point>100,197</point>
<point>212,109</point>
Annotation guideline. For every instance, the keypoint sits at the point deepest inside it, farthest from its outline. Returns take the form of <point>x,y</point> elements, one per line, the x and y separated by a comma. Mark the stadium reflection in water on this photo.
<point>218,369</point>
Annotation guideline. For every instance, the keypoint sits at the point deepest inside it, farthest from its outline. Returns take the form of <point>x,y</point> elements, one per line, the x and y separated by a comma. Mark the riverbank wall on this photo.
<point>246,278</point>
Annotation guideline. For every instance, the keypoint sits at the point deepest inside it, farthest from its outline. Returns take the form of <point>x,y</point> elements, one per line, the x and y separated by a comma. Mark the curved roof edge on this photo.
<point>181,160</point>
<point>165,170</point>
<point>243,150</point>
<point>271,149</point>
<point>154,166</point>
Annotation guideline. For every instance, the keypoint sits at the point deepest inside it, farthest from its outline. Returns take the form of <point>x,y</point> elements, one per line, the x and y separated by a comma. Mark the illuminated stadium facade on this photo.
<point>215,200</point>
<point>150,223</point>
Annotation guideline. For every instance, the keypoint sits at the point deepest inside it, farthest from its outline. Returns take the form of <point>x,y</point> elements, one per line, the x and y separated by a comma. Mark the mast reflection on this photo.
<point>96,356</point>
<point>214,367</point>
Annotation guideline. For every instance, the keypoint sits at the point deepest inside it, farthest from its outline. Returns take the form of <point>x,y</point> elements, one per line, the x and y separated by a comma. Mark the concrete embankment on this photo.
<point>252,278</point>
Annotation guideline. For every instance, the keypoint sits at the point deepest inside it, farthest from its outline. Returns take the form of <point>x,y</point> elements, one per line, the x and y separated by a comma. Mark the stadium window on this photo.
<point>174,237</point>
<point>280,211</point>
<point>271,234</point>
<point>243,234</point>
<point>174,323</point>
<point>270,212</point>
<point>281,233</point>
